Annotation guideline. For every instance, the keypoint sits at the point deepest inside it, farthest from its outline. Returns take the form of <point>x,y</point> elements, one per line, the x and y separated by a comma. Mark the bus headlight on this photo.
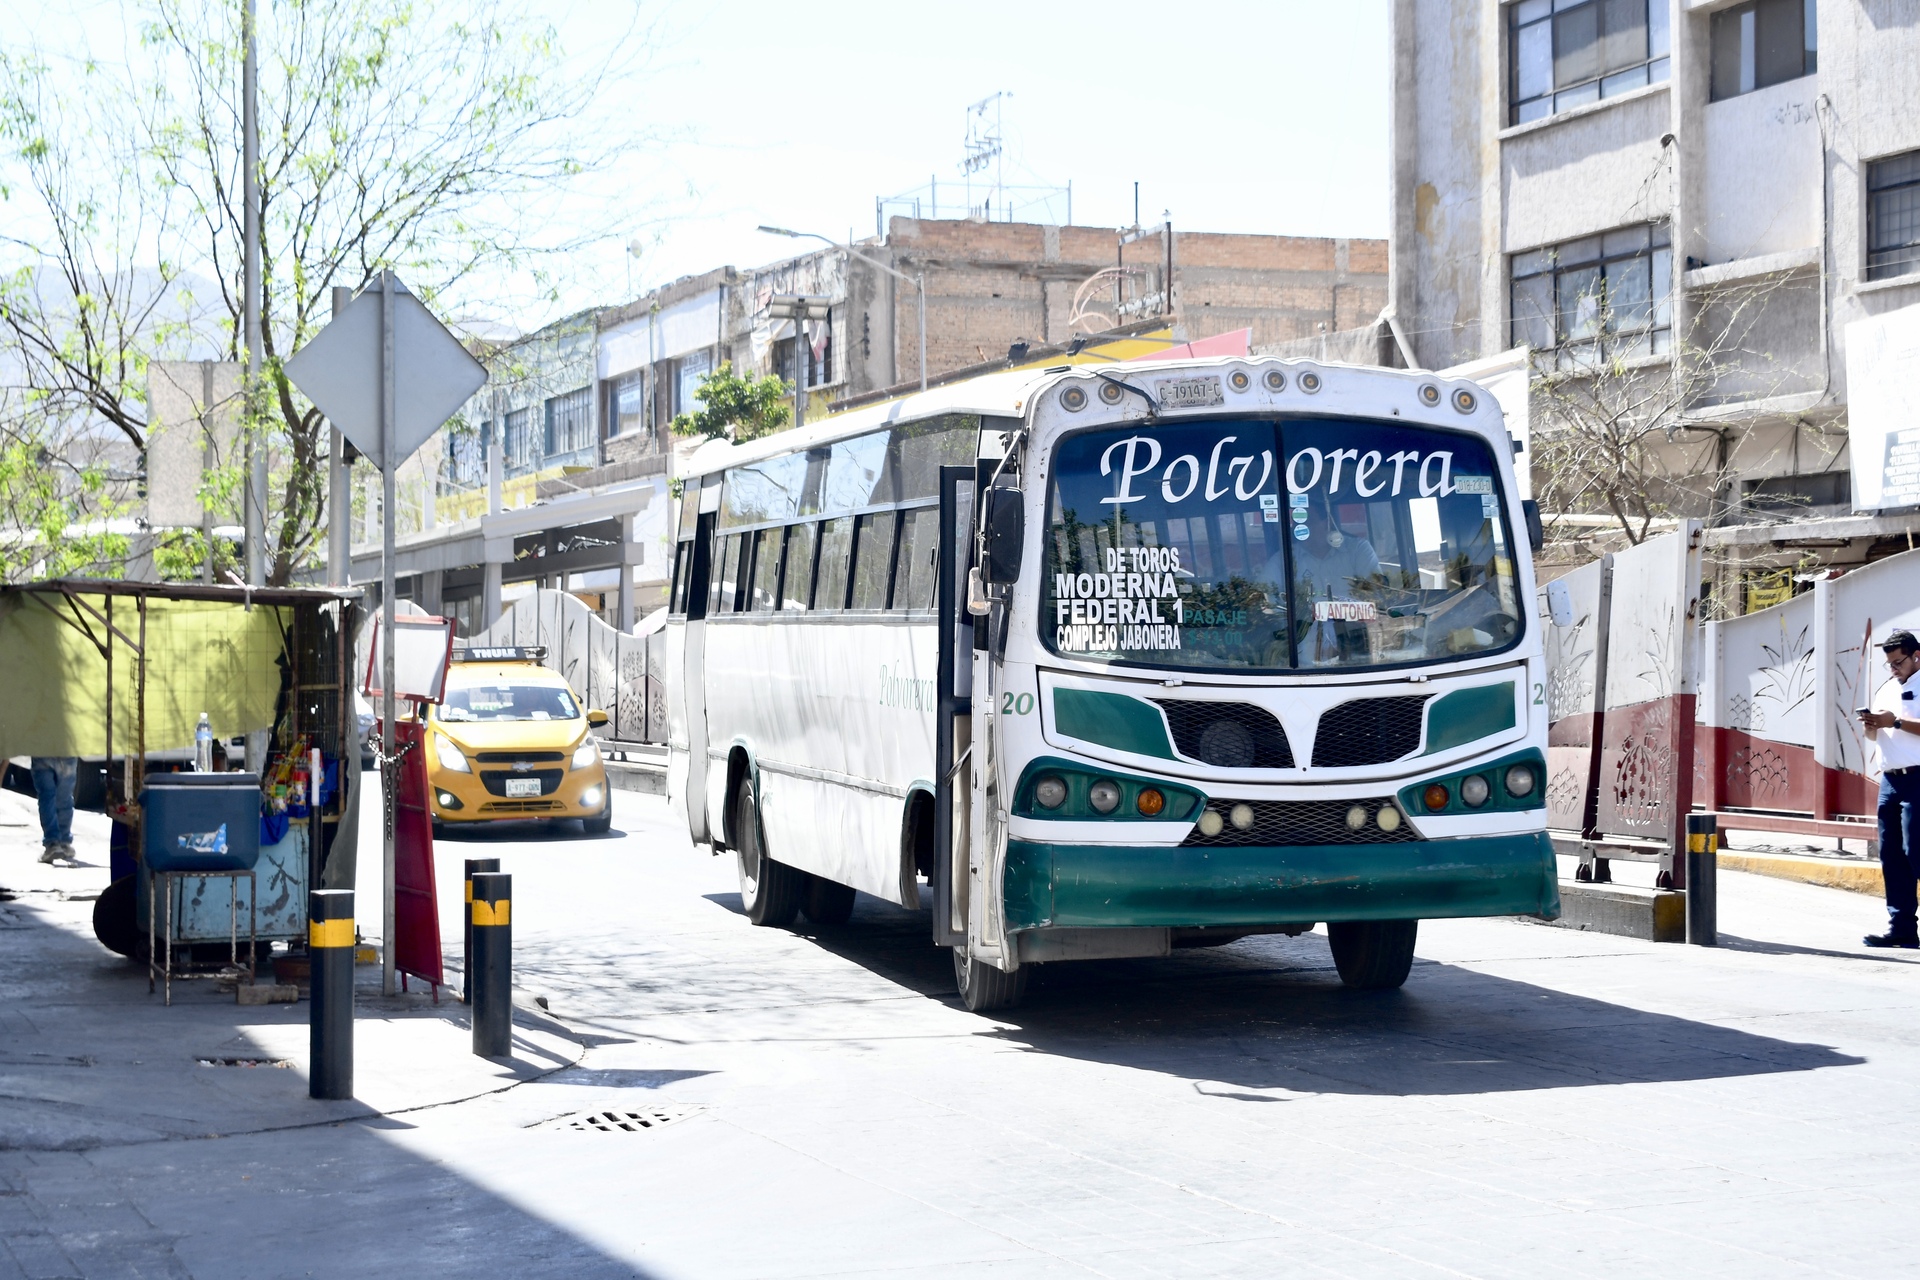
<point>585,754</point>
<point>1104,796</point>
<point>1050,792</point>
<point>1474,790</point>
<point>1520,780</point>
<point>449,755</point>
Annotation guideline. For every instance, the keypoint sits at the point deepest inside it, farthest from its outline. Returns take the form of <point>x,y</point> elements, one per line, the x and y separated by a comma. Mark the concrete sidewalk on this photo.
<point>89,1059</point>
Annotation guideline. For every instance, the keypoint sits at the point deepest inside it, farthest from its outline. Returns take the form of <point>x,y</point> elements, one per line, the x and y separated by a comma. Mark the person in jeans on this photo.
<point>1895,722</point>
<point>53,778</point>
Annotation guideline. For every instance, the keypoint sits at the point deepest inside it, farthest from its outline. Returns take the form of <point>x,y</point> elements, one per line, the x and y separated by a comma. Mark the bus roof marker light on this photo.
<point>1464,400</point>
<point>1309,382</point>
<point>1276,380</point>
<point>1429,395</point>
<point>1110,392</point>
<point>1104,795</point>
<point>1239,380</point>
<point>1073,399</point>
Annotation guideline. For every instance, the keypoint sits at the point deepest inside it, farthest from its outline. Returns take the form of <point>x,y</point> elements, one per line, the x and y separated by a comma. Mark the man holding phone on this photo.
<point>1894,719</point>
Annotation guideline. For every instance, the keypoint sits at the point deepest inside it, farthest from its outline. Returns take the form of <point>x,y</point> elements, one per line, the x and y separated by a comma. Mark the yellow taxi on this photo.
<point>511,741</point>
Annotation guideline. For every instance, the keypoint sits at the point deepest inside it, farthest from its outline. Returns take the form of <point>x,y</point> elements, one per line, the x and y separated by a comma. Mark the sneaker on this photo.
<point>52,853</point>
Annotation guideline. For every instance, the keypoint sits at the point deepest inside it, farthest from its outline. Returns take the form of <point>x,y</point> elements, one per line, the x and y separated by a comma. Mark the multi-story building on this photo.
<point>1684,208</point>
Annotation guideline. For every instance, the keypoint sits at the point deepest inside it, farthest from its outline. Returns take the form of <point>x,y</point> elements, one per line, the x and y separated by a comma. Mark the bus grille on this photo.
<point>1293,822</point>
<point>1368,731</point>
<point>1227,735</point>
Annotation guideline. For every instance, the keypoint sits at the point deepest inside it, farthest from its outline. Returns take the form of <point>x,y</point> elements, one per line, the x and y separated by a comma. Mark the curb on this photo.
<point>1831,873</point>
<point>625,775</point>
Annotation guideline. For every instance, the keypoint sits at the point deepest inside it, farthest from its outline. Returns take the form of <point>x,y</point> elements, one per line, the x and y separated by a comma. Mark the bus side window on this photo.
<point>836,554</point>
<point>916,575</point>
<point>768,545</point>
<point>796,591</point>
<point>873,560</point>
<point>726,572</point>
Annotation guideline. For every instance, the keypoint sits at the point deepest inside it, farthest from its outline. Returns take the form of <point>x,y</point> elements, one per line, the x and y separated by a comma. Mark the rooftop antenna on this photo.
<point>983,149</point>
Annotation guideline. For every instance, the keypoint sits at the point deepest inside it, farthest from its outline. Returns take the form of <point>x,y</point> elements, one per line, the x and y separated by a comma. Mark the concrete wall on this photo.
<point>1761,174</point>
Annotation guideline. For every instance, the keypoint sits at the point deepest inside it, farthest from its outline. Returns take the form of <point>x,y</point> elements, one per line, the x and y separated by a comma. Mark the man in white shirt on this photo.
<point>1895,722</point>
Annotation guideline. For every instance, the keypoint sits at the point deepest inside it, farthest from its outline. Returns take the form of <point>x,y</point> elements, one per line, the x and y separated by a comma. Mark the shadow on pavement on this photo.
<point>1269,1013</point>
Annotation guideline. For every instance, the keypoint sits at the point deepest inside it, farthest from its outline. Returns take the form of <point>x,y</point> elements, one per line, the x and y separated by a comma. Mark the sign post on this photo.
<point>388,374</point>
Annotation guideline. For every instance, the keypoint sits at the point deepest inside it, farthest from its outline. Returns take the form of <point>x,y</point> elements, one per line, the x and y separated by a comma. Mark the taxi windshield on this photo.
<point>497,701</point>
<point>1254,544</point>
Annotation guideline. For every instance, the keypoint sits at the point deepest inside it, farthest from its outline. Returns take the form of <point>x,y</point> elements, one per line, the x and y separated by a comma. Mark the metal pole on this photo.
<point>339,487</point>
<point>389,776</point>
<point>1703,906</point>
<point>920,284</point>
<point>256,513</point>
<point>799,357</point>
<point>330,1008</point>
<point>492,1006</point>
<point>474,866</point>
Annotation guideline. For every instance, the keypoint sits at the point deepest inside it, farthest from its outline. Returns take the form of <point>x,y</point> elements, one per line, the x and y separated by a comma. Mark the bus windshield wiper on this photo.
<point>1153,406</point>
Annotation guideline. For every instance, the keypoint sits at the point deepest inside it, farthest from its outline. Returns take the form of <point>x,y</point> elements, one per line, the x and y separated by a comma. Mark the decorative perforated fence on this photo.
<point>620,674</point>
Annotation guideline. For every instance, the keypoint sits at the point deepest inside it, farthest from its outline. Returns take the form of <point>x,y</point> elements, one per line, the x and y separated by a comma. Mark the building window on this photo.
<point>1893,217</point>
<point>1596,298</point>
<point>466,456</point>
<point>819,362</point>
<point>1567,53</point>
<point>518,448</point>
<point>1760,43</point>
<point>688,373</point>
<point>569,423</point>
<point>627,404</point>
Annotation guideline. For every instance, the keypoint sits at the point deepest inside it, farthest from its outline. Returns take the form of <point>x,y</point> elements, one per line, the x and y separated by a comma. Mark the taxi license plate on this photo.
<point>520,788</point>
<point>1191,393</point>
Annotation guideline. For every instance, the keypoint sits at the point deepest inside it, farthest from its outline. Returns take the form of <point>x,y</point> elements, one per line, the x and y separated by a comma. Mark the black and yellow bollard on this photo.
<point>1703,862</point>
<point>492,964</point>
<point>466,957</point>
<point>330,1009</point>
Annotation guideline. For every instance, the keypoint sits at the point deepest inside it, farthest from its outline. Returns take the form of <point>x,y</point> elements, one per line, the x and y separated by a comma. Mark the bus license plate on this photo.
<point>1191,393</point>
<point>521,788</point>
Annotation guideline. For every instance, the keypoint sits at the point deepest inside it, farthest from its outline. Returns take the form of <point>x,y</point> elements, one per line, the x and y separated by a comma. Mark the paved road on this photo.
<point>1534,1102</point>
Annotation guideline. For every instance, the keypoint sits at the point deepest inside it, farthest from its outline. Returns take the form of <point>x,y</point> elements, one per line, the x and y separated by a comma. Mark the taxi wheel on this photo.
<point>769,891</point>
<point>600,823</point>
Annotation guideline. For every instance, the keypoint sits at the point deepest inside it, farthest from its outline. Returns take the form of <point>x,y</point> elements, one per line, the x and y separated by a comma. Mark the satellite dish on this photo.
<point>636,247</point>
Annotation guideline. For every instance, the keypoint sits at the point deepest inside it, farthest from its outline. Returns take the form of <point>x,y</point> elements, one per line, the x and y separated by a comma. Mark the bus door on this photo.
<point>953,730</point>
<point>693,801</point>
<point>985,858</point>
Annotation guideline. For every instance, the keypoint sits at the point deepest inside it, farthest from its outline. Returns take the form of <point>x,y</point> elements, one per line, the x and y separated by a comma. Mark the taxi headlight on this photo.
<point>586,753</point>
<point>449,755</point>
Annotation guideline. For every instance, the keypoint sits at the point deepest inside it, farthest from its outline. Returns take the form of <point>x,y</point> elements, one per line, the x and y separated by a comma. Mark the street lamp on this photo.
<point>918,280</point>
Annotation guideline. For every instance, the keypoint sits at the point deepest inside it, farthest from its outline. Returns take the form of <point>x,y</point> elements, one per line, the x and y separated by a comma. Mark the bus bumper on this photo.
<point>1106,886</point>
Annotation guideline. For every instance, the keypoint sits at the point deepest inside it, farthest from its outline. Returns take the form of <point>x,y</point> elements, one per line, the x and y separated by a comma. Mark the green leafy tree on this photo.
<point>736,408</point>
<point>442,139</point>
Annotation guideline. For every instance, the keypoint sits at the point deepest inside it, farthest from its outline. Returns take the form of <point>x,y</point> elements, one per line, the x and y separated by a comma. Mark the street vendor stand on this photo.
<point>122,671</point>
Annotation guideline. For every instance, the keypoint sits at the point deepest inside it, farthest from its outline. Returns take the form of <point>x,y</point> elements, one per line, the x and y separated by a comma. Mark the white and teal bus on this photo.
<point>1109,660</point>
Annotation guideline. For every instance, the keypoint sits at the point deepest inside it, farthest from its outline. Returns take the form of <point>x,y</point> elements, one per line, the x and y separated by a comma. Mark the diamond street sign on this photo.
<point>339,370</point>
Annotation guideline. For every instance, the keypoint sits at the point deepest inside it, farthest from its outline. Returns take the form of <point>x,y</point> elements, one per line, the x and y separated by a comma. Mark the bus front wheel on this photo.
<point>1372,955</point>
<point>984,987</point>
<point>769,891</point>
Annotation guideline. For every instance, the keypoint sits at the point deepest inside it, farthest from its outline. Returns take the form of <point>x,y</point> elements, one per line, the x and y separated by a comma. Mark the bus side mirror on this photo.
<point>1006,521</point>
<point>1536,532</point>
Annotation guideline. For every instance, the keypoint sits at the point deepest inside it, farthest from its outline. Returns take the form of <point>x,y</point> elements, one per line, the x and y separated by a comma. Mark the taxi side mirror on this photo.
<point>596,717</point>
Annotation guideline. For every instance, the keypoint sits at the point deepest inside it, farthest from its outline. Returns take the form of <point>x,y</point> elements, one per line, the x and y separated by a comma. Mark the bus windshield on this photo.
<point>1252,544</point>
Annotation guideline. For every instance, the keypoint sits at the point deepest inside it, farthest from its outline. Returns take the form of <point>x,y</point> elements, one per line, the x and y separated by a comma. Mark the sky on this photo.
<point>1231,115</point>
<point>1245,117</point>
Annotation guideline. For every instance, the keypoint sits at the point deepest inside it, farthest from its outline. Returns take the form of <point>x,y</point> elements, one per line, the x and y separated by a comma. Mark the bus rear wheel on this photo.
<point>1373,955</point>
<point>769,891</point>
<point>984,987</point>
<point>826,901</point>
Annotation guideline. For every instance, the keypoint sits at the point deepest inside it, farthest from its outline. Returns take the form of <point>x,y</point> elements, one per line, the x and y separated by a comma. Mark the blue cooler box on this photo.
<point>202,821</point>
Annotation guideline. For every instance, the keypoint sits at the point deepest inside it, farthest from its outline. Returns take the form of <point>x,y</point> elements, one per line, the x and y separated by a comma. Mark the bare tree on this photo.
<point>437,139</point>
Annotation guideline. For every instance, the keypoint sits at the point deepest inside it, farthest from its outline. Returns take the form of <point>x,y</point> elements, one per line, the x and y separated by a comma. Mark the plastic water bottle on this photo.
<point>203,745</point>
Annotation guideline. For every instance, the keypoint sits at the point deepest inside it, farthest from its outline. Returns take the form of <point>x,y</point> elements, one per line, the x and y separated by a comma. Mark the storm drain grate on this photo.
<point>620,1121</point>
